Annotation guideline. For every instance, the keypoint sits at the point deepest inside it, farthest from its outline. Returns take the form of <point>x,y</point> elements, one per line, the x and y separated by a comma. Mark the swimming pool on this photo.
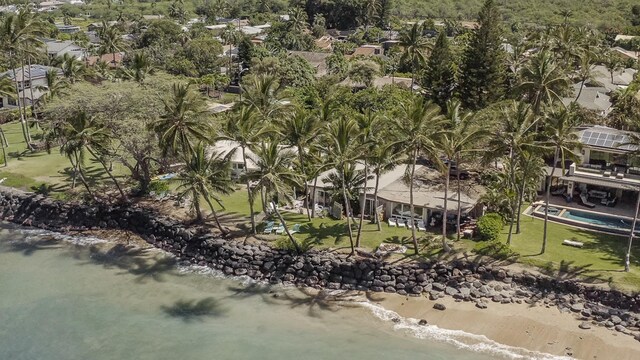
<point>615,222</point>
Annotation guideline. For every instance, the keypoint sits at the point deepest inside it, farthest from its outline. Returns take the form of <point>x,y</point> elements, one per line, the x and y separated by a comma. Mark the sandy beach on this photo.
<point>535,328</point>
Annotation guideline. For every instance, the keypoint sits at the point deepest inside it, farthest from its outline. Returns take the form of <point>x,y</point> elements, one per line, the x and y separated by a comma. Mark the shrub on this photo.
<point>158,186</point>
<point>489,226</point>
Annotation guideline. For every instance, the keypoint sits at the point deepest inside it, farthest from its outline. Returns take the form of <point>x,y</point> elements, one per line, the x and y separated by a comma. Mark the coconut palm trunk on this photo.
<point>250,194</point>
<point>24,102</point>
<point>286,230</point>
<point>445,246</point>
<point>83,180</point>
<point>363,202</point>
<point>20,110</point>
<point>375,201</point>
<point>411,208</point>
<point>347,208</point>
<point>305,203</point>
<point>459,215</point>
<point>33,111</point>
<point>313,198</point>
<point>5,145</point>
<point>109,173</point>
<point>215,216</point>
<point>627,258</point>
<point>546,201</point>
<point>512,176</point>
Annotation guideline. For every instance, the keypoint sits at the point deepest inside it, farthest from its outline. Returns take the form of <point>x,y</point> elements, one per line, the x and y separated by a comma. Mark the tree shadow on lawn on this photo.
<point>568,271</point>
<point>142,263</point>
<point>194,310</point>
<point>319,234</point>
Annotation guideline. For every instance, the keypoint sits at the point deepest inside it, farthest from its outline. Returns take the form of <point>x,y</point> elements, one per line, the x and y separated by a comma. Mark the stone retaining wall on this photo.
<point>463,280</point>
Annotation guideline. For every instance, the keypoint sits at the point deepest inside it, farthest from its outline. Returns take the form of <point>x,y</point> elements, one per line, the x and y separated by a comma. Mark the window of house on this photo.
<point>405,210</point>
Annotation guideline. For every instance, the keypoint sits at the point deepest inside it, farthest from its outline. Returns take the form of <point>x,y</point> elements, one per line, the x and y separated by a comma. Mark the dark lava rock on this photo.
<point>422,322</point>
<point>585,325</point>
<point>439,306</point>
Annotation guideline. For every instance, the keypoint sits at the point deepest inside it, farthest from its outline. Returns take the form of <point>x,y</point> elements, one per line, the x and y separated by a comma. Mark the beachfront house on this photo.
<point>393,196</point>
<point>31,81</point>
<point>606,177</point>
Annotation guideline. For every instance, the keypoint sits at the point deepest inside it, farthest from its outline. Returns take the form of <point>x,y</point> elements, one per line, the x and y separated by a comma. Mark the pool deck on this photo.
<point>621,209</point>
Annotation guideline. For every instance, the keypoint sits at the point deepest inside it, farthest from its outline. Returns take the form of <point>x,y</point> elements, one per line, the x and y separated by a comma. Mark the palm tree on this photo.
<point>515,134</point>
<point>20,35</point>
<point>81,133</point>
<point>265,95</point>
<point>414,45</point>
<point>55,85</point>
<point>561,137</point>
<point>183,122</point>
<point>244,127</point>
<point>300,129</point>
<point>585,72</point>
<point>417,130</point>
<point>543,81</point>
<point>341,150</point>
<point>370,125</point>
<point>110,40</point>
<point>276,176</point>
<point>139,68</point>
<point>72,67</point>
<point>206,176</point>
<point>461,133</point>
<point>383,158</point>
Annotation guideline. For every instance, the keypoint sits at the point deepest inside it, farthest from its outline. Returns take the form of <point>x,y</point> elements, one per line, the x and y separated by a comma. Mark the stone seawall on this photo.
<point>464,280</point>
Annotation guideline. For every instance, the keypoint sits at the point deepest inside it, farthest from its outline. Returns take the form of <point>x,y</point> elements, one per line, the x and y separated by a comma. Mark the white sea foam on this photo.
<point>216,274</point>
<point>457,338</point>
<point>32,235</point>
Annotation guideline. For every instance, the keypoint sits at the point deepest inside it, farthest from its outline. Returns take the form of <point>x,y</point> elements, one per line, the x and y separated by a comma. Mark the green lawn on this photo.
<point>601,260</point>
<point>27,169</point>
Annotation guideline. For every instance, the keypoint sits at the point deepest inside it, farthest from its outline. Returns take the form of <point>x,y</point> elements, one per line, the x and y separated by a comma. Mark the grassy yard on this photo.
<point>601,260</point>
<point>27,169</point>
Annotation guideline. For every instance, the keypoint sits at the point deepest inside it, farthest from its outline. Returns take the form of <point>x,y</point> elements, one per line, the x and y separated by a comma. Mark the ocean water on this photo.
<point>71,298</point>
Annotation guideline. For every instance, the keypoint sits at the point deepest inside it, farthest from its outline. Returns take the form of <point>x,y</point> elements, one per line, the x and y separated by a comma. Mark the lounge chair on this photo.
<point>585,201</point>
<point>269,228</point>
<point>295,229</point>
<point>392,222</point>
<point>573,243</point>
<point>559,192</point>
<point>280,230</point>
<point>421,226</point>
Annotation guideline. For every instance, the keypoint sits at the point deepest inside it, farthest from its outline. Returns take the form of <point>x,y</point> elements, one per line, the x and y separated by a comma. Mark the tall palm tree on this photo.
<point>111,40</point>
<point>79,134</point>
<point>634,141</point>
<point>340,148</point>
<point>384,158</point>
<point>563,140</point>
<point>244,127</point>
<point>183,123</point>
<point>276,176</point>
<point>206,176</point>
<point>300,129</point>
<point>55,86</point>
<point>139,68</point>
<point>20,35</point>
<point>414,45</point>
<point>72,67</point>
<point>543,81</point>
<point>370,125</point>
<point>417,129</point>
<point>585,71</point>
<point>265,95</point>
<point>515,134</point>
<point>462,131</point>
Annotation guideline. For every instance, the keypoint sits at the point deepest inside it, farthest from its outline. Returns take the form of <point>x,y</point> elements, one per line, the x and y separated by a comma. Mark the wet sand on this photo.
<point>536,328</point>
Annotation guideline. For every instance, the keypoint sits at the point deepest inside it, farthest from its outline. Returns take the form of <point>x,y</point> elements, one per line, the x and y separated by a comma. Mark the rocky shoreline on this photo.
<point>462,280</point>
